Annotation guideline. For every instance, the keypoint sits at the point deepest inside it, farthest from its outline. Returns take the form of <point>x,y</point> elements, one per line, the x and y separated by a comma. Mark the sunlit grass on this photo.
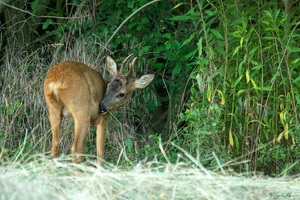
<point>39,177</point>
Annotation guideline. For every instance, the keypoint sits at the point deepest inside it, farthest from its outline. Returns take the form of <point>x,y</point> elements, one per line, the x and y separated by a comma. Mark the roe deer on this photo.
<point>73,88</point>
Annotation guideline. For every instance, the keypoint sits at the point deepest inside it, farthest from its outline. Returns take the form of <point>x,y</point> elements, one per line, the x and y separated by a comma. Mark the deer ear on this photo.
<point>111,66</point>
<point>143,81</point>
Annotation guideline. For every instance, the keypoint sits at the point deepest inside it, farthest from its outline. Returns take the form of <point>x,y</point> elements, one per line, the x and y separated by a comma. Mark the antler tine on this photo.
<point>131,66</point>
<point>123,64</point>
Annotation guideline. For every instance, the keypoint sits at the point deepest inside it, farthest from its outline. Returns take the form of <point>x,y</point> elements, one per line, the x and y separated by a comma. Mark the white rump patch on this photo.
<point>53,87</point>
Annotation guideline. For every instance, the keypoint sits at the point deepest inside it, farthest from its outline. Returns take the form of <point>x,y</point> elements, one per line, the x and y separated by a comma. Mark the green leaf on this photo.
<point>167,35</point>
<point>46,24</point>
<point>253,84</point>
<point>184,17</point>
<point>223,97</point>
<point>145,20</point>
<point>34,6</point>
<point>292,49</point>
<point>247,76</point>
<point>241,92</point>
<point>282,117</point>
<point>128,143</point>
<point>200,47</point>
<point>275,76</point>
<point>9,110</point>
<point>130,4</point>
<point>190,55</point>
<point>293,141</point>
<point>209,12</point>
<point>208,92</point>
<point>139,27</point>
<point>151,105</point>
<point>168,45</point>
<point>230,138</point>
<point>177,69</point>
<point>266,88</point>
<point>296,61</point>
<point>192,36</point>
<point>199,82</point>
<point>286,131</point>
<point>279,137</point>
<point>253,62</point>
<point>270,37</point>
<point>175,44</point>
<point>178,5</point>
<point>217,33</point>
<point>237,81</point>
<point>258,121</point>
<point>140,52</point>
<point>236,50</point>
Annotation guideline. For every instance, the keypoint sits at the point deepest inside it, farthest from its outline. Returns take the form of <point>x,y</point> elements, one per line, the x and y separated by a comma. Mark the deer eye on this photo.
<point>121,95</point>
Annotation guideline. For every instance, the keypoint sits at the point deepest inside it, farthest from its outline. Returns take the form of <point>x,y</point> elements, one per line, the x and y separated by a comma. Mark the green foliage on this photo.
<point>247,66</point>
<point>203,135</point>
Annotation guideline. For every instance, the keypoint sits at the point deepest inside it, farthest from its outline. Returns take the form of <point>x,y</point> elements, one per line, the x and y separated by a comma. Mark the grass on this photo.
<point>42,178</point>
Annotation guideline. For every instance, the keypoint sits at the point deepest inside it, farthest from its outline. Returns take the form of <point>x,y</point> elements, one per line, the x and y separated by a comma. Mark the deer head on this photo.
<point>121,88</point>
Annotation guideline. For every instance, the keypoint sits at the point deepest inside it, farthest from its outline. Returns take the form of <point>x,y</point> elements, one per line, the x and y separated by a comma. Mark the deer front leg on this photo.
<point>101,132</point>
<point>81,129</point>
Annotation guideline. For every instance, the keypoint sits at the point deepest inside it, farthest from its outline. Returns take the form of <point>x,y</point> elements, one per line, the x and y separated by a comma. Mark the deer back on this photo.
<point>76,86</point>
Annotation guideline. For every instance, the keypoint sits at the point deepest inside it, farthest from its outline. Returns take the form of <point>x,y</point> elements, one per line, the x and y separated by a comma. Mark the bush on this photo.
<point>244,92</point>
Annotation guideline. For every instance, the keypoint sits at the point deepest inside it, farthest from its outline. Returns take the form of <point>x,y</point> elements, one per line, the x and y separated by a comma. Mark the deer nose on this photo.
<point>102,108</point>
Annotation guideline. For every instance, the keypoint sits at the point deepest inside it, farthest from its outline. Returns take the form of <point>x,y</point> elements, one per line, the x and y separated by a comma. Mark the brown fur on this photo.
<point>73,88</point>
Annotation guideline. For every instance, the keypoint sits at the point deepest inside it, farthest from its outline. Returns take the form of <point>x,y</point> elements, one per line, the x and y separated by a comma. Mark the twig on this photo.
<point>42,16</point>
<point>120,26</point>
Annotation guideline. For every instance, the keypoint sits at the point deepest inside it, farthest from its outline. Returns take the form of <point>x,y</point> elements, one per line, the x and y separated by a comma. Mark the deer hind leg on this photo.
<point>82,121</point>
<point>55,116</point>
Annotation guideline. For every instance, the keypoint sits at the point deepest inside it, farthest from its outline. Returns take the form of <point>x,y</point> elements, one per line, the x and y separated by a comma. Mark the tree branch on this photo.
<point>120,26</point>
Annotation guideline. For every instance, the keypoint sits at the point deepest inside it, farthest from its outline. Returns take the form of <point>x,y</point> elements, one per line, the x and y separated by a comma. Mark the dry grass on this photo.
<point>42,178</point>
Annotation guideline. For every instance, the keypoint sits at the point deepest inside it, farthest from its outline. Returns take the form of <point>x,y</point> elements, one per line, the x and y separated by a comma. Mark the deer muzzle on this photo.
<point>102,108</point>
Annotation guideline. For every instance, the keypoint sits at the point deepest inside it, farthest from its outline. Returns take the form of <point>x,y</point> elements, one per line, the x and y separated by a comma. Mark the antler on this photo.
<point>123,64</point>
<point>131,66</point>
